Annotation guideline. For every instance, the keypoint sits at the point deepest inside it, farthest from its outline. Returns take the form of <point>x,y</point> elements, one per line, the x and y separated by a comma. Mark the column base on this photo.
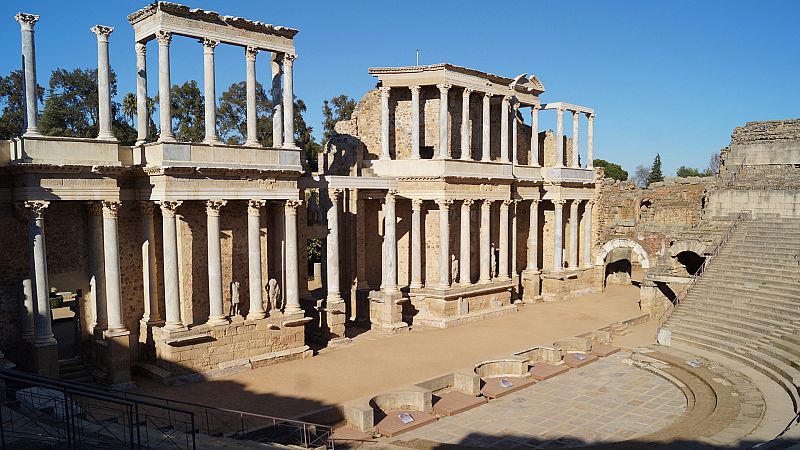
<point>212,141</point>
<point>167,139</point>
<point>252,144</point>
<point>32,133</point>
<point>291,146</point>
<point>386,311</point>
<point>257,315</point>
<point>139,143</point>
<point>111,333</point>
<point>107,138</point>
<point>292,310</point>
<point>531,286</point>
<point>335,316</point>
<point>117,359</point>
<point>218,320</point>
<point>45,359</point>
<point>175,326</point>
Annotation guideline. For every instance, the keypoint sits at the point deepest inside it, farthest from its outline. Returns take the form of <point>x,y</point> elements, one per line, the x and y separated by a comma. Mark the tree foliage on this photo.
<point>334,110</point>
<point>232,115</point>
<point>129,111</point>
<point>612,170</point>
<point>655,171</point>
<point>684,171</point>
<point>641,175</point>
<point>12,97</point>
<point>188,112</point>
<point>713,164</point>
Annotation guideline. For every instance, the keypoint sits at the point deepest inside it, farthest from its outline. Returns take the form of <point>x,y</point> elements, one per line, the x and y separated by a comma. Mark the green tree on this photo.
<point>655,171</point>
<point>130,110</point>
<point>303,137</point>
<point>188,112</point>
<point>612,170</point>
<point>684,172</point>
<point>334,110</point>
<point>71,105</point>
<point>12,97</point>
<point>232,115</point>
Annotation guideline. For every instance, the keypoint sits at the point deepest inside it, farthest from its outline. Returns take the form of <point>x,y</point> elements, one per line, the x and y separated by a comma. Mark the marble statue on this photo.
<point>274,294</point>
<point>493,262</point>
<point>453,268</point>
<point>313,209</point>
<point>234,299</point>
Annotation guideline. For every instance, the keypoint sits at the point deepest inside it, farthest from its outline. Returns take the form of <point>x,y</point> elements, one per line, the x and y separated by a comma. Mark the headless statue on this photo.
<point>274,294</point>
<point>234,299</point>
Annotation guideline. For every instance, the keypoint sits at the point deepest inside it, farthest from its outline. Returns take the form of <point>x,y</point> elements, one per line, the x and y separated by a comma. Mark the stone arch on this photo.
<point>689,245</point>
<point>689,254</point>
<point>643,204</point>
<point>644,259</point>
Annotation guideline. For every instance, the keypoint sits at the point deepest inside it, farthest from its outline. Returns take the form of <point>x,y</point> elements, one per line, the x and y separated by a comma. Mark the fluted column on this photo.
<point>288,101</point>
<point>502,272</point>
<point>559,138</point>
<point>292,260</point>
<point>210,91</point>
<point>590,141</point>
<point>504,129</point>
<point>514,131</point>
<point>575,139</point>
<point>164,103</point>
<point>573,234</point>
<point>534,161</point>
<point>466,150</point>
<point>416,244</point>
<point>414,121</point>
<point>255,279</point>
<point>142,119</point>
<point>444,243</point>
<point>486,148</point>
<point>111,259</point>
<point>43,329</point>
<point>31,100</point>
<point>250,54</point>
<point>558,235</point>
<point>587,234</point>
<point>332,262</point>
<point>152,313</point>
<point>390,242</point>
<point>513,251</point>
<point>385,122</point>
<point>533,237</point>
<point>466,235</point>
<point>103,83</point>
<point>276,63</point>
<point>444,134</point>
<point>216,313</point>
<point>172,298</point>
<point>486,243</point>
<point>97,266</point>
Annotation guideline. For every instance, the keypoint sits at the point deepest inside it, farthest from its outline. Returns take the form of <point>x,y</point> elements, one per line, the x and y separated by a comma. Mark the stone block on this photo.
<point>573,344</point>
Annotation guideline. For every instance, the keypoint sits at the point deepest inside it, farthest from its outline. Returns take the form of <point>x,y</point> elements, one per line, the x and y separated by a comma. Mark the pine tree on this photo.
<point>655,171</point>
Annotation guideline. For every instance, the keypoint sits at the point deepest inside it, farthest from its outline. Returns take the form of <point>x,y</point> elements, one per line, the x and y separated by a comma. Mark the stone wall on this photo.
<point>15,264</point>
<point>758,143</point>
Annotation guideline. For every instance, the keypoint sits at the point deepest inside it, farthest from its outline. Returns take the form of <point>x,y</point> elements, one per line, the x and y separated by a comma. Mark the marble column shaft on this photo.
<point>43,330</point>
<point>172,298</point>
<point>504,129</point>
<point>514,134</point>
<point>292,258</point>
<point>590,141</point>
<point>390,242</point>
<point>332,243</point>
<point>97,265</point>
<point>576,150</point>
<point>210,91</point>
<point>502,271</point>
<point>465,265</point>
<point>152,313</point>
<point>486,147</point>
<point>142,119</point>
<point>250,54</point>
<point>533,238</point>
<point>288,100</point>
<point>486,243</point>
<point>164,85</point>
<point>444,122</point>
<point>444,243</point>
<point>216,312</point>
<point>558,235</point>
<point>255,279</point>
<point>416,244</point>
<point>573,234</point>
<point>31,101</point>
<point>385,91</point>
<point>513,249</point>
<point>414,122</point>
<point>276,63</point>
<point>103,83</point>
<point>534,161</point>
<point>112,272</point>
<point>466,150</point>
<point>559,138</point>
<point>587,235</point>
<point>28,310</point>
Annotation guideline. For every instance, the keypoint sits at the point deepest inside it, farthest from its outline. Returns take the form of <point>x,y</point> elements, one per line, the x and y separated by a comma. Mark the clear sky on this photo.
<point>673,77</point>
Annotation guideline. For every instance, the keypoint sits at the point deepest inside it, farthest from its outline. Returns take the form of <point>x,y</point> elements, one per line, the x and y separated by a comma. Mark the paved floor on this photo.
<point>606,401</point>
<point>374,363</point>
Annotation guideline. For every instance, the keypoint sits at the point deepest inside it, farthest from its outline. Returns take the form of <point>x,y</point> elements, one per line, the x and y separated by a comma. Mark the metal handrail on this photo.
<point>685,291</point>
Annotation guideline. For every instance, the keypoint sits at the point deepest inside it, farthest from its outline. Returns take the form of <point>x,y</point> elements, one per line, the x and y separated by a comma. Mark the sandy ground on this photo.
<point>373,362</point>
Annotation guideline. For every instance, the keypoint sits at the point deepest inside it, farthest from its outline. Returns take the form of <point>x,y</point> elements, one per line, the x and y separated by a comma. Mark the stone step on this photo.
<point>731,313</point>
<point>773,287</point>
<point>730,292</point>
<point>734,323</point>
<point>700,299</point>
<point>759,242</point>
<point>735,271</point>
<point>744,261</point>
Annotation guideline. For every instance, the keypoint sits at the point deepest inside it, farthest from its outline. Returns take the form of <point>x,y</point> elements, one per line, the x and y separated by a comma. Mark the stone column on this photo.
<point>502,272</point>
<point>112,272</point>
<point>590,141</point>
<point>466,150</point>
<point>97,266</point>
<point>43,329</point>
<point>514,141</point>
<point>444,133</point>
<point>216,313</point>
<point>504,129</point>
<point>332,262</point>
<point>385,123</point>
<point>513,250</point>
<point>587,235</point>
<point>164,106</point>
<point>416,244</point>
<point>250,54</point>
<point>255,280</point>
<point>152,314</point>
<point>534,161</point>
<point>558,235</point>
<point>576,151</point>
<point>276,62</point>
<point>414,122</point>
<point>486,242</point>
<point>209,91</point>
<point>28,311</point>
<point>31,100</point>
<point>444,243</point>
<point>486,148</point>
<point>103,83</point>
<point>288,101</point>
<point>142,119</point>
<point>390,242</point>
<point>533,238</point>
<point>465,265</point>
<point>172,297</point>
<point>573,234</point>
<point>559,137</point>
<point>292,266</point>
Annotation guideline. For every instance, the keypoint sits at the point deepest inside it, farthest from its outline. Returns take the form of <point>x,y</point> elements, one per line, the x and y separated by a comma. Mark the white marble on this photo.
<point>210,91</point>
<point>558,235</point>
<point>103,83</point>
<point>250,54</point>
<point>534,160</point>
<point>172,298</point>
<point>504,129</point>
<point>142,119</point>
<point>575,139</point>
<point>152,313</point>
<point>385,91</point>
<point>216,313</point>
<point>416,244</point>
<point>466,144</point>
<point>444,121</point>
<point>444,243</point>
<point>502,271</point>
<point>573,234</point>
<point>559,138</point>
<point>414,122</point>
<point>332,243</point>
<point>590,141</point>
<point>255,279</point>
<point>288,101</point>
<point>43,330</point>
<point>97,281</point>
<point>164,105</point>
<point>292,258</point>
<point>466,246</point>
<point>390,242</point>
<point>26,22</point>
<point>533,237</point>
<point>112,272</point>
<point>276,64</point>
<point>587,234</point>
<point>486,149</point>
<point>485,243</point>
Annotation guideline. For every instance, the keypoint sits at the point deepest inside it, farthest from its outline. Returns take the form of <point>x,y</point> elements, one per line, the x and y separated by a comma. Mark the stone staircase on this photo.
<point>75,369</point>
<point>746,305</point>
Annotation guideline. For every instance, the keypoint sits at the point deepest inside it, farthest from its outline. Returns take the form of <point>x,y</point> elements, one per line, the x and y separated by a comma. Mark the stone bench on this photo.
<point>361,413</point>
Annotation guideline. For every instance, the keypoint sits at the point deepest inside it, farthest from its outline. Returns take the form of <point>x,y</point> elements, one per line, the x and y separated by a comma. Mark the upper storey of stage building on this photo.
<point>160,22</point>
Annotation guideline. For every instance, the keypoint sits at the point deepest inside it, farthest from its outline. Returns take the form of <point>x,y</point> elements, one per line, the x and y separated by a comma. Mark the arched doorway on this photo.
<point>688,255</point>
<point>620,259</point>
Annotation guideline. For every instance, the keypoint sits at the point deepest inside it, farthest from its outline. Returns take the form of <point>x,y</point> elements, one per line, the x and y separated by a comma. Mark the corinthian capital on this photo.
<point>141,48</point>
<point>209,44</point>
<point>27,21</point>
<point>416,204</point>
<point>443,88</point>
<point>254,207</point>
<point>102,32</point>
<point>37,207</point>
<point>291,206</point>
<point>334,194</point>
<point>169,208</point>
<point>444,203</point>
<point>163,37</point>
<point>468,202</point>
<point>250,53</point>
<point>111,209</point>
<point>289,58</point>
<point>213,206</point>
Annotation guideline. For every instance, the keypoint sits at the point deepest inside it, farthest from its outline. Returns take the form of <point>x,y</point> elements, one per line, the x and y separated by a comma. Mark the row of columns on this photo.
<point>561,155</point>
<point>558,241</point>
<point>282,96</point>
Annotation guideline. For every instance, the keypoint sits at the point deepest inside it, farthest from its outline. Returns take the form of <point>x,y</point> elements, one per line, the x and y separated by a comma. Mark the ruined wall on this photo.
<point>15,264</point>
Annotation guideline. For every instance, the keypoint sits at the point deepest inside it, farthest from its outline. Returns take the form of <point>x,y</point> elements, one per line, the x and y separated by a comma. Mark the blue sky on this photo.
<point>673,77</point>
